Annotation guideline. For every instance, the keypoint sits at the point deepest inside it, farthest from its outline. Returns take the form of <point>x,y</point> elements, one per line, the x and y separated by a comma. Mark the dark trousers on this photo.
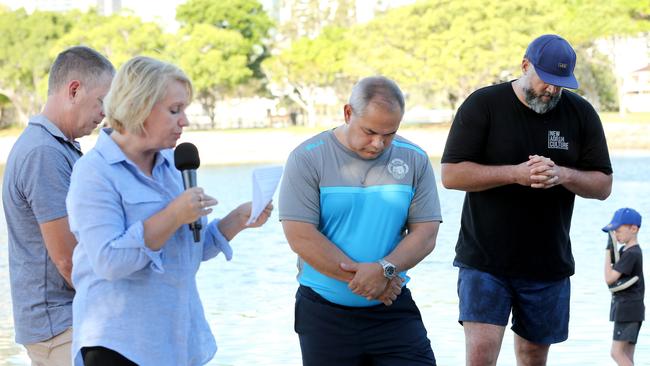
<point>380,335</point>
<point>100,356</point>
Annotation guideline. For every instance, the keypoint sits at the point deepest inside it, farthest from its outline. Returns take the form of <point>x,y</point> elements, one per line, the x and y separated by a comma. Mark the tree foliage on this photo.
<point>312,53</point>
<point>247,17</point>
<point>223,44</point>
<point>24,56</point>
<point>310,17</point>
<point>216,60</point>
<point>439,51</point>
<point>302,71</point>
<point>32,41</point>
<point>119,37</point>
<point>450,48</point>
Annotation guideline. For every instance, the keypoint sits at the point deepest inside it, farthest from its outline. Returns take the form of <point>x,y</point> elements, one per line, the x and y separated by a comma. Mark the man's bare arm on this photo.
<point>473,177</point>
<point>416,245</point>
<point>315,249</point>
<point>60,244</point>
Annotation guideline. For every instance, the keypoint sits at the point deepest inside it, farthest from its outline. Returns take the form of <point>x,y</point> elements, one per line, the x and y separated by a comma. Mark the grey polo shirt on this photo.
<point>363,206</point>
<point>35,185</point>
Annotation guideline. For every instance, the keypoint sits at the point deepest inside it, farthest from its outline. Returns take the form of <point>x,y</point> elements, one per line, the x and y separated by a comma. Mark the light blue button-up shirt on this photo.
<point>141,303</point>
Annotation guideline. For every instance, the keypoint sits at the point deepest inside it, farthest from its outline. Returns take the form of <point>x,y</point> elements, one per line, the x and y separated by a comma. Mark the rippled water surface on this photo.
<point>249,301</point>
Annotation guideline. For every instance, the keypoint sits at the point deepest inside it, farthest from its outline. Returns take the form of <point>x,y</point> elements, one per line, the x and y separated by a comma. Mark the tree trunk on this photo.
<point>311,113</point>
<point>212,117</point>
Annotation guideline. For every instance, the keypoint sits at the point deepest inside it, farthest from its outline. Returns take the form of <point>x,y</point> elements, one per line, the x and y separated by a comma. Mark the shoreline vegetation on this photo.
<point>625,135</point>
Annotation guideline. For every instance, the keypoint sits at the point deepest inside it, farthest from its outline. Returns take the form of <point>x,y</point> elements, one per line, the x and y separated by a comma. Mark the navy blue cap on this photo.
<point>623,216</point>
<point>554,60</point>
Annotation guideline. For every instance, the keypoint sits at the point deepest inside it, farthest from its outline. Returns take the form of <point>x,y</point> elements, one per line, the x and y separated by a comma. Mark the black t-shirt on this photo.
<point>627,305</point>
<point>514,230</point>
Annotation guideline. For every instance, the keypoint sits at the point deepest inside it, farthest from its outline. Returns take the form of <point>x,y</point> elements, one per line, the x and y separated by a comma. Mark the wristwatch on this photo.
<point>390,271</point>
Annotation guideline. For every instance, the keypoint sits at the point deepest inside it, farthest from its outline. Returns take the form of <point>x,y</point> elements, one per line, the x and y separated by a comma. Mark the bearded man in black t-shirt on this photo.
<point>522,150</point>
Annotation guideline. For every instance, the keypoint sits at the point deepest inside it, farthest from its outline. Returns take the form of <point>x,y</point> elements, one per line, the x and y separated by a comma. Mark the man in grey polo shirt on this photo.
<point>359,206</point>
<point>35,186</point>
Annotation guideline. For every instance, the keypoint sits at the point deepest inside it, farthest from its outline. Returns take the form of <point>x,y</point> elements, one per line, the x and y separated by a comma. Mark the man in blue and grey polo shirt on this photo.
<point>359,206</point>
<point>34,189</point>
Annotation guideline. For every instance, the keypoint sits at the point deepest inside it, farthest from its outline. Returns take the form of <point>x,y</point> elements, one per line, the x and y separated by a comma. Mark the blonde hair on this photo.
<point>139,84</point>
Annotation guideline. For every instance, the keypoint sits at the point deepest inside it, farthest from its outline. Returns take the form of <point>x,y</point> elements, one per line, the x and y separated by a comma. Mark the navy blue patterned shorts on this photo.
<point>540,309</point>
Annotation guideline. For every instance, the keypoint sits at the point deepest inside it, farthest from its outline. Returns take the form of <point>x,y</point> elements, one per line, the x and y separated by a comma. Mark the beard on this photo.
<point>536,103</point>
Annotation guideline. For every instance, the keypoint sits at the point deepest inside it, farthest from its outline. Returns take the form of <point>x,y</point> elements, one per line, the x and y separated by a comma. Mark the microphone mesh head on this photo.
<point>186,157</point>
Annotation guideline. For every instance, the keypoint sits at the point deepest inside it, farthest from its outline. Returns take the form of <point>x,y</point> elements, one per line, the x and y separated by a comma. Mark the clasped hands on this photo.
<point>369,282</point>
<point>539,172</point>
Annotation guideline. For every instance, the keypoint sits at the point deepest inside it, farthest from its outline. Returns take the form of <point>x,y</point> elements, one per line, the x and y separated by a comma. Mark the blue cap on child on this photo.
<point>623,216</point>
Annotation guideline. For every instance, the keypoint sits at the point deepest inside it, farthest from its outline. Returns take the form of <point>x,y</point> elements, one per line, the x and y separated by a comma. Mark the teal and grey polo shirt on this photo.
<point>362,206</point>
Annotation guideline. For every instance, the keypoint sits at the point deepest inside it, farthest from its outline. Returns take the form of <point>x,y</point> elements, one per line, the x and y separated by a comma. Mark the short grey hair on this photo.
<point>139,84</point>
<point>376,89</point>
<point>79,62</point>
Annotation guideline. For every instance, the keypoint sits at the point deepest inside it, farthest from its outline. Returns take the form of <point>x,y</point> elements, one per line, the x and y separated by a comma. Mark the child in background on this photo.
<point>625,278</point>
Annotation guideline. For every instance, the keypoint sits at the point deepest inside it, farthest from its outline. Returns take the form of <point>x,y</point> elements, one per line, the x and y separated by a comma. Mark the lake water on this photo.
<point>249,301</point>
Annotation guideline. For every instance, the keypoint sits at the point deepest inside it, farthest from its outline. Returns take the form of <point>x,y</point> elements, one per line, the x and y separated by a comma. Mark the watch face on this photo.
<point>389,271</point>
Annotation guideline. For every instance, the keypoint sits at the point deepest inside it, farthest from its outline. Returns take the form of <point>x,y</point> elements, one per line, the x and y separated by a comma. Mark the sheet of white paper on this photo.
<point>265,182</point>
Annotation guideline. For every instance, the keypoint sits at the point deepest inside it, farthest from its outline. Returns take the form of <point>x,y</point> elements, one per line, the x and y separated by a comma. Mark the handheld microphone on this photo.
<point>186,159</point>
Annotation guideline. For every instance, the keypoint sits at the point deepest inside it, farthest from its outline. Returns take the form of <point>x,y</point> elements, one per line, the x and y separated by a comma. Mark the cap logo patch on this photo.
<point>562,66</point>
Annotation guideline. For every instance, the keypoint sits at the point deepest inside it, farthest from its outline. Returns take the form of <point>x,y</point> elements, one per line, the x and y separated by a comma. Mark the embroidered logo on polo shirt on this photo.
<point>398,168</point>
<point>555,141</point>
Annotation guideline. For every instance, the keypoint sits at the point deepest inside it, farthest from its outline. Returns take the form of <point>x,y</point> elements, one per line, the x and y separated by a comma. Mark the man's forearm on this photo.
<point>315,249</point>
<point>473,177</point>
<point>59,243</point>
<point>416,245</point>
<point>587,184</point>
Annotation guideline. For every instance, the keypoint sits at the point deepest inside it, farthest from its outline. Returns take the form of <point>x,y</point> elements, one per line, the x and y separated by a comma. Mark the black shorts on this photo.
<point>627,331</point>
<point>332,334</point>
<point>101,356</point>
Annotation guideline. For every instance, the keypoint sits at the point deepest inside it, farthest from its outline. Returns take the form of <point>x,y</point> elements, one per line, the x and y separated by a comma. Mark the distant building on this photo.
<point>283,11</point>
<point>51,5</point>
<point>630,58</point>
<point>108,7</point>
<point>636,91</point>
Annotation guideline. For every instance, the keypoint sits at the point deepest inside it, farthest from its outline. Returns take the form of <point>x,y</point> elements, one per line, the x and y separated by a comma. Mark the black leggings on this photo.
<point>101,356</point>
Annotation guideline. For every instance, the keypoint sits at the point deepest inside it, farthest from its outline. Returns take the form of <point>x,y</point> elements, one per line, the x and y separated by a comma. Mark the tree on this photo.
<point>312,52</point>
<point>119,37</point>
<point>30,43</point>
<point>216,61</point>
<point>612,21</point>
<point>247,17</point>
<point>309,66</point>
<point>597,80</point>
<point>223,44</point>
<point>309,17</point>
<point>25,56</point>
<point>450,48</point>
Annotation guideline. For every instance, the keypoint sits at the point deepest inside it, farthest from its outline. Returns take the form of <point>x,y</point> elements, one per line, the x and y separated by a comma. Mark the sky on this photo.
<point>164,11</point>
